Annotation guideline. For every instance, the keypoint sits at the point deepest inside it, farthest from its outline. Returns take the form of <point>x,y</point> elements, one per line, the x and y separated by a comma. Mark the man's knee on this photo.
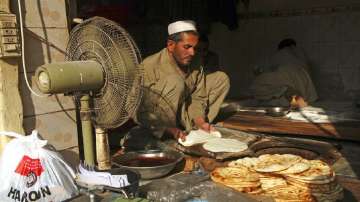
<point>224,78</point>
<point>219,79</point>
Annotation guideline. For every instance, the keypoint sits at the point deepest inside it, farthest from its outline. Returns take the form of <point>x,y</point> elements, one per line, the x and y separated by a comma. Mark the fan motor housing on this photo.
<point>67,77</point>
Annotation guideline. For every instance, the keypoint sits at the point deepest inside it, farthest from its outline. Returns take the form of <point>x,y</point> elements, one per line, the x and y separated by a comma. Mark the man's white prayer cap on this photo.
<point>181,26</point>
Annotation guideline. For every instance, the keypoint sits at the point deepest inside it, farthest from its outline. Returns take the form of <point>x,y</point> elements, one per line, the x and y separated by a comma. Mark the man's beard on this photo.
<point>182,66</point>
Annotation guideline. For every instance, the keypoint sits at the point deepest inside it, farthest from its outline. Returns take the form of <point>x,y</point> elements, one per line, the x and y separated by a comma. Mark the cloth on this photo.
<point>91,177</point>
<point>174,99</point>
<point>323,115</point>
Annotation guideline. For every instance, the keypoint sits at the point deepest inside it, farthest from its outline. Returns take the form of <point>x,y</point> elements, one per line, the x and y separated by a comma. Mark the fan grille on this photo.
<point>156,111</point>
<point>105,42</point>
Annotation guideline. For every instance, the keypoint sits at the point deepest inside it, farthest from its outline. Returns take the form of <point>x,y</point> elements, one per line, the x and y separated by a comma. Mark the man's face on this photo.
<point>184,50</point>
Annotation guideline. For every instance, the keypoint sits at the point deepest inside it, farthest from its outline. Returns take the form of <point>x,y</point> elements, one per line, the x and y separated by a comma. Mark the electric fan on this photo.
<point>101,72</point>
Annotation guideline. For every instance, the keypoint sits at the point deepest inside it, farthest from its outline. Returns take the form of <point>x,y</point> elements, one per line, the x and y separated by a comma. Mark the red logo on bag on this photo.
<point>28,166</point>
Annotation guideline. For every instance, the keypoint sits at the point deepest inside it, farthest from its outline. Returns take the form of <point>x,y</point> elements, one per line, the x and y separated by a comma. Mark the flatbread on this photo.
<point>294,200</point>
<point>198,137</point>
<point>290,192</point>
<point>225,145</point>
<point>247,162</point>
<point>276,162</point>
<point>249,190</point>
<point>316,188</point>
<point>234,175</point>
<point>272,182</point>
<point>315,182</point>
<point>299,167</point>
<point>319,171</point>
<point>238,178</point>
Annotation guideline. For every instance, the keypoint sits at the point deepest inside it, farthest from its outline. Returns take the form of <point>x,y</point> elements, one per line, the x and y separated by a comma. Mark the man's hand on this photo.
<point>298,102</point>
<point>203,125</point>
<point>176,133</point>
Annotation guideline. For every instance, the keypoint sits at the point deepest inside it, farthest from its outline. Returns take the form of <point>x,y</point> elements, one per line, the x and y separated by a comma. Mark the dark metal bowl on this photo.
<point>277,111</point>
<point>149,171</point>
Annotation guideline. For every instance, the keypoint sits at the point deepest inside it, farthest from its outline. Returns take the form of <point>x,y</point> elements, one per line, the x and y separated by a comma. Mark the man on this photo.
<point>286,81</point>
<point>175,92</point>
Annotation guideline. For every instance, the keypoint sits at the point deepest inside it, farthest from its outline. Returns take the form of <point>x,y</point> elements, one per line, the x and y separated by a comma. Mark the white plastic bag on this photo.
<point>30,172</point>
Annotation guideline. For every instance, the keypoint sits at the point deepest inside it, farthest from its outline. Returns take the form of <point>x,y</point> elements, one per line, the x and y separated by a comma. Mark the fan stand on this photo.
<point>87,130</point>
<point>102,142</point>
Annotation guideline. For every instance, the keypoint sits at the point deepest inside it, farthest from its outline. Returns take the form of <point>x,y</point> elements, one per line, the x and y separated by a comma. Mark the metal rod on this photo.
<point>79,129</point>
<point>87,130</point>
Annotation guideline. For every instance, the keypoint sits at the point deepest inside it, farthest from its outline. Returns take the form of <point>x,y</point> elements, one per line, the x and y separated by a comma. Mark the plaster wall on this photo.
<point>331,40</point>
<point>46,35</point>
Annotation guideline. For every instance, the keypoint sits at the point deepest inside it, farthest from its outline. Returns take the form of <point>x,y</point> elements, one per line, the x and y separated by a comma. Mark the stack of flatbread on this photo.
<point>289,177</point>
<point>239,178</point>
<point>319,179</point>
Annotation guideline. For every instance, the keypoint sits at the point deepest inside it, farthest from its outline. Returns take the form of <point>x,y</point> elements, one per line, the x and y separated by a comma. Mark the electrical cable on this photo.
<point>23,52</point>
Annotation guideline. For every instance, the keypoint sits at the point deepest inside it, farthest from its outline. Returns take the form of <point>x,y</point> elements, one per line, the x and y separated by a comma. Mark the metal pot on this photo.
<point>277,111</point>
<point>150,164</point>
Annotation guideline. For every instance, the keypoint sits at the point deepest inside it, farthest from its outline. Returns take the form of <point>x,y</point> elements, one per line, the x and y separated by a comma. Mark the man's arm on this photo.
<point>198,105</point>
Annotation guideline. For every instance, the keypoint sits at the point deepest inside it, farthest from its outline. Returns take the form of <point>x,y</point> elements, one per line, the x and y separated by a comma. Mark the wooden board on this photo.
<point>258,122</point>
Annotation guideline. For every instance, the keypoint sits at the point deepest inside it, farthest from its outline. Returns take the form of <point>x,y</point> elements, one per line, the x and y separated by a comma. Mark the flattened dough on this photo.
<point>225,145</point>
<point>198,137</point>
